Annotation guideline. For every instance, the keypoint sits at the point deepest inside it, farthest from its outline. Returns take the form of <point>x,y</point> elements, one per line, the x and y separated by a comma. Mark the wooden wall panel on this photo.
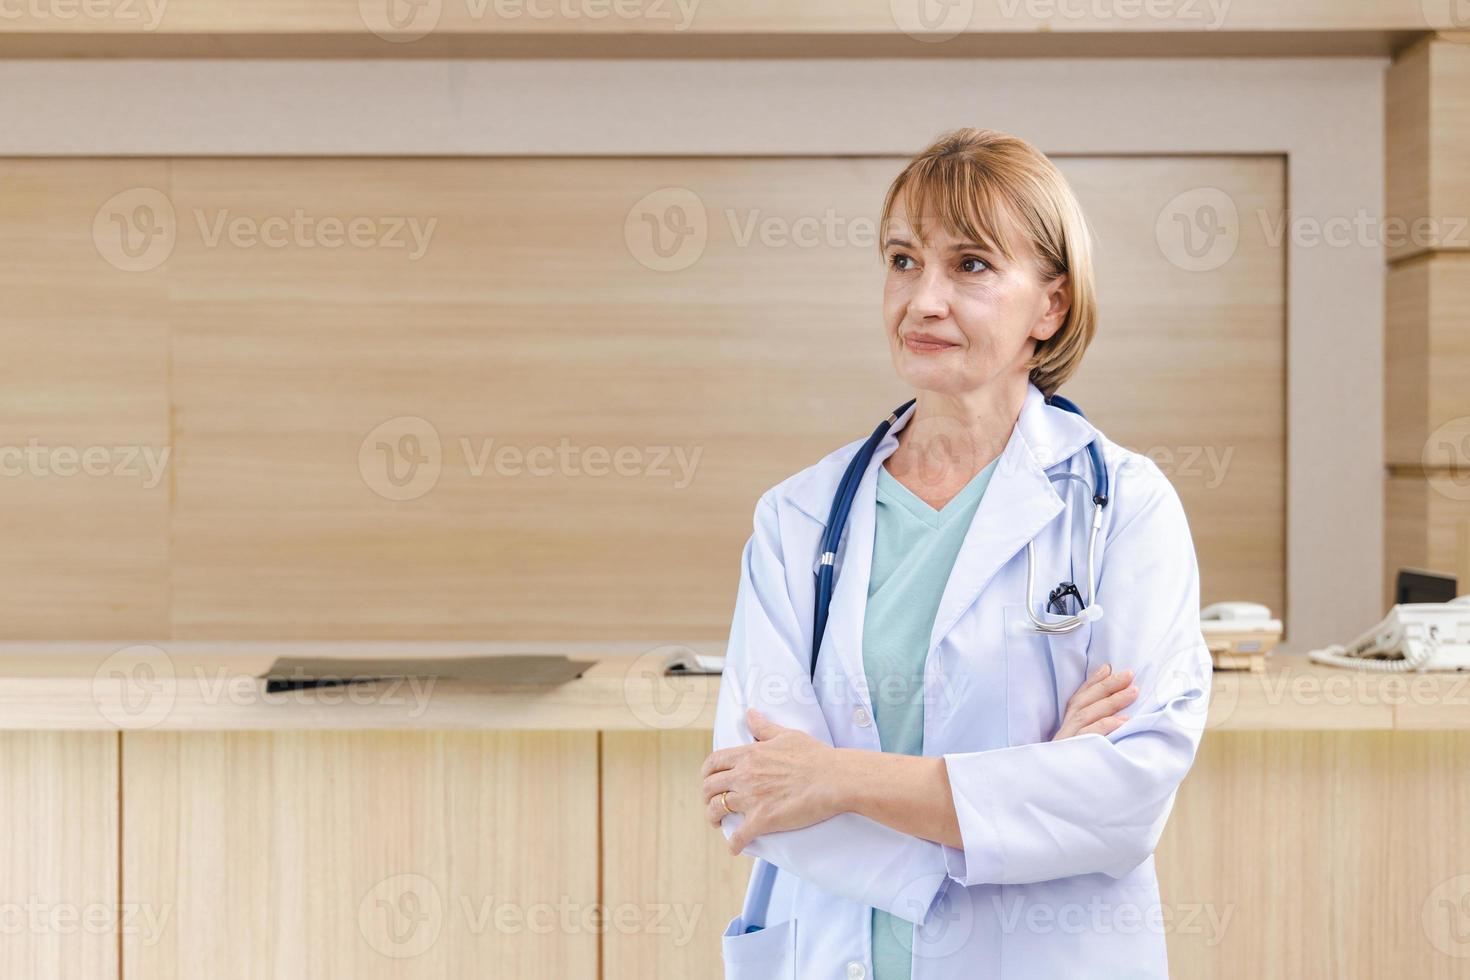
<point>529,320</point>
<point>1427,526</point>
<point>84,406</point>
<point>363,856</point>
<point>1427,139</point>
<point>534,314</point>
<point>58,860</point>
<point>1356,819</point>
<point>1427,370</point>
<point>1427,323</point>
<point>658,851</point>
<point>816,17</point>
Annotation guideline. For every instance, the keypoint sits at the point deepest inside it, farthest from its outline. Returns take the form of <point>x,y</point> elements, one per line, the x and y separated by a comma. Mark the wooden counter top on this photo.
<point>213,687</point>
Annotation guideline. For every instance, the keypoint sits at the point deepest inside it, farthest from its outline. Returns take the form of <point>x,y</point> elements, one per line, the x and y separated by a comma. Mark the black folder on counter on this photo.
<point>513,669</point>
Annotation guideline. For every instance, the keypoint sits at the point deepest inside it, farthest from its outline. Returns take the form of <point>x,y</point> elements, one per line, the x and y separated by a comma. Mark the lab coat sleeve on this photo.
<point>1095,803</point>
<point>766,668</point>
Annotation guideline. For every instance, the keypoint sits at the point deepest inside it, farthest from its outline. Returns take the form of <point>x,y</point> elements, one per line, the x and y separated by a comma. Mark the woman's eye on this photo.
<point>973,263</point>
<point>895,263</point>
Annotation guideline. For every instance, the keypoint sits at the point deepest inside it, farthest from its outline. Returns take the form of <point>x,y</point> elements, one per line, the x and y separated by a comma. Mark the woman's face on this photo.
<point>959,317</point>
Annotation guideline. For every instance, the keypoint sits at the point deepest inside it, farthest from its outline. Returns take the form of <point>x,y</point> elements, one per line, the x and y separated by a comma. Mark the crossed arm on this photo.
<point>786,779</point>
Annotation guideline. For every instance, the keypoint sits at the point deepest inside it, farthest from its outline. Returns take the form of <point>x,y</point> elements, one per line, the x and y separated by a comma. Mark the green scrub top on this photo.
<point>914,549</point>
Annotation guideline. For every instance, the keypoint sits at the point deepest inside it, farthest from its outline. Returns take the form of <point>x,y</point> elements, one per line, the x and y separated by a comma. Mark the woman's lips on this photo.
<point>922,344</point>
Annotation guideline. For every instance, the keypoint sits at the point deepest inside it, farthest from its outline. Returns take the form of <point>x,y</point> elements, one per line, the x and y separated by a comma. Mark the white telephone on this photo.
<point>1252,612</point>
<point>1413,636</point>
<point>1239,634</point>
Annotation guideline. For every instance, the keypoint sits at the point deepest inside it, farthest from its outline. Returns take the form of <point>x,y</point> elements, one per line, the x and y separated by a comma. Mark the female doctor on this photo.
<point>953,791</point>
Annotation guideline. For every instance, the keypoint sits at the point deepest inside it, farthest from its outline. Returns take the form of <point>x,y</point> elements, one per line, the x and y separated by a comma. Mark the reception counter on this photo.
<point>166,818</point>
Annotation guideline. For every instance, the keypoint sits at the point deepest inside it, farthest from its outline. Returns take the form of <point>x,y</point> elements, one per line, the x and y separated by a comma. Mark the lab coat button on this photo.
<point>863,719</point>
<point>855,970</point>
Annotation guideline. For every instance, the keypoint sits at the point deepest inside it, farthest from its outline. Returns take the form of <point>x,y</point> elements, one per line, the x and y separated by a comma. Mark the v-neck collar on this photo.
<point>891,488</point>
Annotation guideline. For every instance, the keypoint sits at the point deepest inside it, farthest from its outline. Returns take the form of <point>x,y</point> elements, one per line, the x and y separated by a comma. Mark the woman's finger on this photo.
<point>1096,681</point>
<point>717,783</point>
<point>714,808</point>
<point>1109,705</point>
<point>1096,690</point>
<point>1105,727</point>
<point>722,759</point>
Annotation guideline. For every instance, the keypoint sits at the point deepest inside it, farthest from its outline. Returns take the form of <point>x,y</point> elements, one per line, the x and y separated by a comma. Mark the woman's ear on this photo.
<point>1058,305</point>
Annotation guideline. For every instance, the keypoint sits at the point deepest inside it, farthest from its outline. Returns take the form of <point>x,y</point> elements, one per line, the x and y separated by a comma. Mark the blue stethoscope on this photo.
<point>842,505</point>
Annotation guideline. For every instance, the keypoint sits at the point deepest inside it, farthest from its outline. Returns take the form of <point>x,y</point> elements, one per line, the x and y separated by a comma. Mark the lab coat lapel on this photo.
<point>1018,503</point>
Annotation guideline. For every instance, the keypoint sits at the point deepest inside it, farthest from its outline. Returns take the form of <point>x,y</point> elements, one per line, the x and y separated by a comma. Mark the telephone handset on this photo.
<point>1413,636</point>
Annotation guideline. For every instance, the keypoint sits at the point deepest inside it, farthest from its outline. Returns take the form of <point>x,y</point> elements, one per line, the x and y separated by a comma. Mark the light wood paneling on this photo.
<point>531,315</point>
<point>815,17</point>
<point>287,358</point>
<point>58,862</point>
<point>1352,826</point>
<point>358,856</point>
<point>1427,99</point>
<point>83,409</point>
<point>1427,346</point>
<point>1427,525</point>
<point>658,852</point>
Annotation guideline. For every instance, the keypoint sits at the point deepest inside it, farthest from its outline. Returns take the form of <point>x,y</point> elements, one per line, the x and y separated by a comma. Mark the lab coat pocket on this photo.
<point>765,953</point>
<point>1043,671</point>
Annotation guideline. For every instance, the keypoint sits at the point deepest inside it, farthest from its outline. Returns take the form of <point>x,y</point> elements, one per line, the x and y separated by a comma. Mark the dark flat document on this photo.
<point>511,669</point>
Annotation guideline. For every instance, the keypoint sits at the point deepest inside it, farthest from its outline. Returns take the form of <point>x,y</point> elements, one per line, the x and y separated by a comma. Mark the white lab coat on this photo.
<point>1056,876</point>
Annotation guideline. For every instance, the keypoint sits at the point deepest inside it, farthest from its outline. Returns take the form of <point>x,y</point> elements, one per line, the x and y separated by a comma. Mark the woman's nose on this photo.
<point>931,296</point>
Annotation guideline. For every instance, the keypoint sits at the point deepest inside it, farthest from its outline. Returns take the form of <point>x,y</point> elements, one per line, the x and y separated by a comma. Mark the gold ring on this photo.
<point>724,802</point>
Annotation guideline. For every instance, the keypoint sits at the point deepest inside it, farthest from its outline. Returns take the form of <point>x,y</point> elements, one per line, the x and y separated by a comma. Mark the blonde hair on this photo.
<point>985,186</point>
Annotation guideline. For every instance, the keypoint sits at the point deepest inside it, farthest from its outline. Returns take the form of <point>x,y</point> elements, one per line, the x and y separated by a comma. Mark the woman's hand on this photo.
<point>779,782</point>
<point>1095,706</point>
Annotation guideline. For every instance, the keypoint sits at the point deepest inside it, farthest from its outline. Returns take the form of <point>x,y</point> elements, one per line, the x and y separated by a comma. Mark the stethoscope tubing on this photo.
<point>847,493</point>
